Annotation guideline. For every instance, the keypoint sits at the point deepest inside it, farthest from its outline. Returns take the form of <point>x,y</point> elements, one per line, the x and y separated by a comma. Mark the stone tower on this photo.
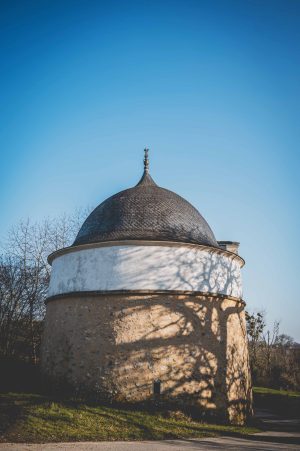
<point>147,304</point>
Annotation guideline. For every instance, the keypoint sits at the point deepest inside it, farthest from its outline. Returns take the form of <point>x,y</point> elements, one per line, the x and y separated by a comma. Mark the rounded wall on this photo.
<point>117,345</point>
<point>143,267</point>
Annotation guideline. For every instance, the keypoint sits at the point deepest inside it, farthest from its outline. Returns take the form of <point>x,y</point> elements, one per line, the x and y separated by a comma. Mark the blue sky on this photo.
<point>212,87</point>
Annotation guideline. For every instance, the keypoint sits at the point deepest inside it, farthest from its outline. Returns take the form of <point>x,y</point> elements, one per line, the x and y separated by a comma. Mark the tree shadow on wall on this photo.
<point>182,342</point>
<point>180,268</point>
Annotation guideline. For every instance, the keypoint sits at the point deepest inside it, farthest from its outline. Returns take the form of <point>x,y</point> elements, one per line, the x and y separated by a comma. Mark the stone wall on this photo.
<point>117,345</point>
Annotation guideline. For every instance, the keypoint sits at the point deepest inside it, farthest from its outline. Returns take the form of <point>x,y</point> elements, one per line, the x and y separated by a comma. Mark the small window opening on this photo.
<point>157,387</point>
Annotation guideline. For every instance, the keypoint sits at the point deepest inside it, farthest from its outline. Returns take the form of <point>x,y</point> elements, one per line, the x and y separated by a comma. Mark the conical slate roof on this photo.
<point>146,212</point>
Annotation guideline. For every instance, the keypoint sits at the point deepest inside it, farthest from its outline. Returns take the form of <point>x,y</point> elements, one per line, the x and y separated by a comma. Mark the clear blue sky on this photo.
<point>212,87</point>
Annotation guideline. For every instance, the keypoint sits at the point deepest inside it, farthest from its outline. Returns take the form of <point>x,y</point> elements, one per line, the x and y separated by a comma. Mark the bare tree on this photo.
<point>255,328</point>
<point>25,275</point>
<point>269,349</point>
<point>12,305</point>
<point>274,357</point>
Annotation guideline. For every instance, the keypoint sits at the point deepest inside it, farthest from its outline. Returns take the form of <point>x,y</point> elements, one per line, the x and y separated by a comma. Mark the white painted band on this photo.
<point>151,267</point>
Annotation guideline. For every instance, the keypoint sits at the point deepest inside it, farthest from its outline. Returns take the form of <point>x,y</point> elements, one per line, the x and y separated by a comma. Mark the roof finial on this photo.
<point>146,179</point>
<point>146,161</point>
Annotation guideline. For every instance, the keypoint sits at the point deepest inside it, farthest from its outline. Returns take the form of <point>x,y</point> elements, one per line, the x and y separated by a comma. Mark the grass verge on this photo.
<point>285,403</point>
<point>273,391</point>
<point>34,418</point>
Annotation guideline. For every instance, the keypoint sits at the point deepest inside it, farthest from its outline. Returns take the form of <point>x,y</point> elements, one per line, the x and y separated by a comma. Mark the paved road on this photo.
<point>224,443</point>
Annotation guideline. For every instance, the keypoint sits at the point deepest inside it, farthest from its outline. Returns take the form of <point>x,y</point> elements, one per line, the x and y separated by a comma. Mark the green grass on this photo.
<point>272,391</point>
<point>282,402</point>
<point>36,419</point>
